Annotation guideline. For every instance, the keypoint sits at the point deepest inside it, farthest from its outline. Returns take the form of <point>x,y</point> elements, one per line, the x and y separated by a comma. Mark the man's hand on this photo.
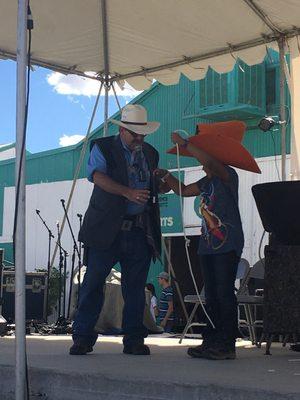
<point>177,139</point>
<point>139,196</point>
<point>163,187</point>
<point>160,173</point>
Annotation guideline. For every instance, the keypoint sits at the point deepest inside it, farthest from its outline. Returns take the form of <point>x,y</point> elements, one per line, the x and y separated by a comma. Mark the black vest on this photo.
<point>104,216</point>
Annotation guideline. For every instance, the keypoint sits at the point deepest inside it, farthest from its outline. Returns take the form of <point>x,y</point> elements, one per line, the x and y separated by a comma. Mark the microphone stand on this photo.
<point>65,283</point>
<point>61,325</point>
<point>75,250</point>
<point>80,225</point>
<point>71,283</point>
<point>61,260</point>
<point>62,272</point>
<point>79,264</point>
<point>50,236</point>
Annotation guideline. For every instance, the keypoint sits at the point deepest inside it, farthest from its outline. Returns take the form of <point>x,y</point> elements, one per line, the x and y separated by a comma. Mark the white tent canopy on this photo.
<point>138,41</point>
<point>150,39</point>
<point>143,40</point>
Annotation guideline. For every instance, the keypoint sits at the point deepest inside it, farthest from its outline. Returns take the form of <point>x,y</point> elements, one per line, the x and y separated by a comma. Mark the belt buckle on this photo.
<point>126,225</point>
<point>140,221</point>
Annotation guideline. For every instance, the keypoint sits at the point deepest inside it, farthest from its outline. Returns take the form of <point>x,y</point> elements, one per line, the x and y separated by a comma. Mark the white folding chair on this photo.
<point>192,299</point>
<point>250,302</point>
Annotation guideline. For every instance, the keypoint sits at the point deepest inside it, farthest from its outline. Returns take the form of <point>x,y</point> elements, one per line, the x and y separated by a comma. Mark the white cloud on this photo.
<point>73,99</point>
<point>66,140</point>
<point>80,86</point>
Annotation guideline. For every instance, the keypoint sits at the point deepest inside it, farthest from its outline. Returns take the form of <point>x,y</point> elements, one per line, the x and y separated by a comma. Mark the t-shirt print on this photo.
<point>213,228</point>
<point>221,229</point>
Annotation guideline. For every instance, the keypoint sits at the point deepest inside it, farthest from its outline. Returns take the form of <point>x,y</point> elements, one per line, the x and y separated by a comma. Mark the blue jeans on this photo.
<point>133,252</point>
<point>219,272</point>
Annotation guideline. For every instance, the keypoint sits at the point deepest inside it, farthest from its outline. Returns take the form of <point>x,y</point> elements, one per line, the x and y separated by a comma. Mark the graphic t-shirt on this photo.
<point>221,229</point>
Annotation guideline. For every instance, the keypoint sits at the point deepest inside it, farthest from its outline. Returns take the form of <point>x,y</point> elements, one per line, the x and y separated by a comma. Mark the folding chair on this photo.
<point>242,272</point>
<point>193,299</point>
<point>250,302</point>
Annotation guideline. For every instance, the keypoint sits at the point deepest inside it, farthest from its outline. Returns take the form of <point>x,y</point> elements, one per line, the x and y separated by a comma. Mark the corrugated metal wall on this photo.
<point>172,106</point>
<point>175,107</point>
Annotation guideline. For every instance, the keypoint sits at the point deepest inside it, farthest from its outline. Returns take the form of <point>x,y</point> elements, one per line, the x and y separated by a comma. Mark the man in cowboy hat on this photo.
<point>122,225</point>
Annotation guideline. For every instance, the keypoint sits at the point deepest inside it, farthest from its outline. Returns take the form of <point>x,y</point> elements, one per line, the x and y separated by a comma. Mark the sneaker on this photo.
<point>80,349</point>
<point>137,350</point>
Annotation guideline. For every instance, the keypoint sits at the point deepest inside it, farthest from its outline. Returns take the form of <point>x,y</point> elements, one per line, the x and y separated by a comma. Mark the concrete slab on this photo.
<point>167,374</point>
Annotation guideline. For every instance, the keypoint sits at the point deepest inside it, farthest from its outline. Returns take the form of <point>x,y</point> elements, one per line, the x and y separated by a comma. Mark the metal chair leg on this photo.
<point>252,324</point>
<point>189,322</point>
<point>249,323</point>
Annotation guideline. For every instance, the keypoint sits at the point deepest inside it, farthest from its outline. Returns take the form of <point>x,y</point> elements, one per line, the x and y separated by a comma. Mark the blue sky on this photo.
<point>60,107</point>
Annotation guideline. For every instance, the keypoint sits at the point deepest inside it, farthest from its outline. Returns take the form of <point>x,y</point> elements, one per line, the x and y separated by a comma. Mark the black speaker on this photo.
<point>36,284</point>
<point>282,289</point>
<point>278,206</point>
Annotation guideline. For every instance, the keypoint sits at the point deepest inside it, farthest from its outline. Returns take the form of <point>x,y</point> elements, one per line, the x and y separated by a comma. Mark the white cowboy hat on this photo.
<point>134,118</point>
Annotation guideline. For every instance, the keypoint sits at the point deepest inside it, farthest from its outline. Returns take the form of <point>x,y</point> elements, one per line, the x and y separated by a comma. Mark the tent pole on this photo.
<point>106,110</point>
<point>295,106</point>
<point>106,63</point>
<point>263,16</point>
<point>282,107</point>
<point>20,343</point>
<point>78,167</point>
<point>116,96</point>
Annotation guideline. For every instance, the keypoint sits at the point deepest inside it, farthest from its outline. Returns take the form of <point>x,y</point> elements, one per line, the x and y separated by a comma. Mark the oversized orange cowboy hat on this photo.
<point>222,140</point>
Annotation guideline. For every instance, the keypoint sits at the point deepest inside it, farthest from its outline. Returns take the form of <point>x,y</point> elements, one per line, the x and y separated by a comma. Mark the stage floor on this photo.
<point>167,374</point>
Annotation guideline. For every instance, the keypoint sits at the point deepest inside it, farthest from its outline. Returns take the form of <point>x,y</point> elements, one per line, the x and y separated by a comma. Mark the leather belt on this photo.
<point>133,221</point>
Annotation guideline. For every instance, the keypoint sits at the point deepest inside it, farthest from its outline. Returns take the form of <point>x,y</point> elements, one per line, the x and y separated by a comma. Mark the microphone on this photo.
<point>138,163</point>
<point>57,224</point>
<point>79,215</point>
<point>140,167</point>
<point>62,201</point>
<point>37,211</point>
<point>29,19</point>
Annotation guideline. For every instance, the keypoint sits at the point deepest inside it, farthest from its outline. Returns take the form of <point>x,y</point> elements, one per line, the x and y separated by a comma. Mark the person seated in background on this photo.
<point>166,305</point>
<point>153,301</point>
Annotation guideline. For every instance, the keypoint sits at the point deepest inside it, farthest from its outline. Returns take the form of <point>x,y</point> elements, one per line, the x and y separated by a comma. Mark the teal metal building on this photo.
<point>247,93</point>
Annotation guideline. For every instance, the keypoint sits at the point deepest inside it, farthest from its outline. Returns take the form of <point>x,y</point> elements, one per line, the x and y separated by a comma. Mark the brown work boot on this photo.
<point>222,351</point>
<point>138,349</point>
<point>197,351</point>
<point>80,349</point>
<point>219,354</point>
